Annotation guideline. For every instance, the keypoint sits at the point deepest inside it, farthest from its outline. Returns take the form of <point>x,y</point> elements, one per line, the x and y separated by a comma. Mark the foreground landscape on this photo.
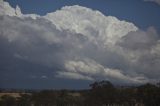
<point>101,93</point>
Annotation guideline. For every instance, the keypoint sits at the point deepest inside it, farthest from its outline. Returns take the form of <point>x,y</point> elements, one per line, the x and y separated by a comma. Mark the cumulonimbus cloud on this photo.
<point>82,44</point>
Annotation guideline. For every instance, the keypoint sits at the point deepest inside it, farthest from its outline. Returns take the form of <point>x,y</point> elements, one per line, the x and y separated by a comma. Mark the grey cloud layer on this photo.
<point>83,44</point>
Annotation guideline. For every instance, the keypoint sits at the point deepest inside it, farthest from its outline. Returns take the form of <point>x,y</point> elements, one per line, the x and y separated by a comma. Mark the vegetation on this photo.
<point>101,93</point>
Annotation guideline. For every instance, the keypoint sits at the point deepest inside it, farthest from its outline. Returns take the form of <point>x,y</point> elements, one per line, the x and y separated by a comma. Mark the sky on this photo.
<point>68,44</point>
<point>141,13</point>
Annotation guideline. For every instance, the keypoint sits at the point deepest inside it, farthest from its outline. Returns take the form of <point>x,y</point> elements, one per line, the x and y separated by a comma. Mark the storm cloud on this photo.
<point>80,43</point>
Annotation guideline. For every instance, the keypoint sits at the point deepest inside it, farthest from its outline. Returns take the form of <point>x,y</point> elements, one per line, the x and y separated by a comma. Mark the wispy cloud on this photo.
<point>155,1</point>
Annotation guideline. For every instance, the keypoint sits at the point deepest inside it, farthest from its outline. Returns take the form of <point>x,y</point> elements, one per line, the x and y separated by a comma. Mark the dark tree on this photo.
<point>24,100</point>
<point>102,93</point>
<point>149,94</point>
<point>44,98</point>
<point>7,100</point>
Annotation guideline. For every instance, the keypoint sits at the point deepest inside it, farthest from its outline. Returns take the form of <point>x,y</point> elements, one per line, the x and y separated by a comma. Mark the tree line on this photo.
<point>101,93</point>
